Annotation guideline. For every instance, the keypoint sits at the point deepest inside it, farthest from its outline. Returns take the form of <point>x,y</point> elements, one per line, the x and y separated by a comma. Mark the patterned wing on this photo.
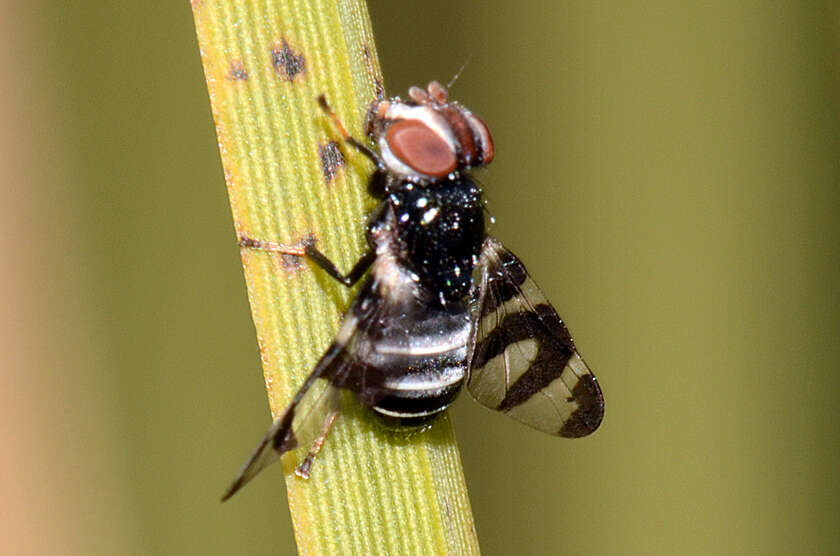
<point>309,415</point>
<point>523,360</point>
<point>371,356</point>
<point>301,423</point>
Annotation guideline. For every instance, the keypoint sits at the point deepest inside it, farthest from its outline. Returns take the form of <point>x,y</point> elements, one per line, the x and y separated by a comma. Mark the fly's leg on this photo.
<point>377,184</point>
<point>308,251</point>
<point>352,141</point>
<point>305,466</point>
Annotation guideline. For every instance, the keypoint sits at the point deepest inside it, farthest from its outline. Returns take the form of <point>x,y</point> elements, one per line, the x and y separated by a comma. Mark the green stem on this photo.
<point>371,491</point>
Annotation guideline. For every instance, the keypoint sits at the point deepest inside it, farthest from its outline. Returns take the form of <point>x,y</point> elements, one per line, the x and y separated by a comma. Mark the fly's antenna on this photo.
<point>459,72</point>
<point>355,143</point>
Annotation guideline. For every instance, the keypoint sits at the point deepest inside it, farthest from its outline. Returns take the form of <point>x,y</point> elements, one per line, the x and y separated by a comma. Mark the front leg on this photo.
<point>308,250</point>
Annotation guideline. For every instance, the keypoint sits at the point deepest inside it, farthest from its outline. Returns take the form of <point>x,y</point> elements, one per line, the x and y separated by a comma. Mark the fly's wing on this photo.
<point>351,363</point>
<point>524,362</point>
<point>303,419</point>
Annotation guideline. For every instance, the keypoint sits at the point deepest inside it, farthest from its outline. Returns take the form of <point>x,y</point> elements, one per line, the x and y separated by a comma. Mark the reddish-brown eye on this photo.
<point>482,133</point>
<point>421,148</point>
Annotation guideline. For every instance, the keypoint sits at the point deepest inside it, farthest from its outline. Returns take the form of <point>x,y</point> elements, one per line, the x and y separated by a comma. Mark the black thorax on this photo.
<point>436,232</point>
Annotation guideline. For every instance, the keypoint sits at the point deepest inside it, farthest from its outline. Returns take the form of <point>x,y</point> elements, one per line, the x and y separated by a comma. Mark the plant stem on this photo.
<point>372,490</point>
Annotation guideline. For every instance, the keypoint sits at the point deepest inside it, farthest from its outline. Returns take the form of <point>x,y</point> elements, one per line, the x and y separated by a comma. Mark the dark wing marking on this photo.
<point>523,360</point>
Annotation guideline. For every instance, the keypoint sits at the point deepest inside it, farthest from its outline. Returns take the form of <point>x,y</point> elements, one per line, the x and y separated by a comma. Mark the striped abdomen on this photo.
<point>409,356</point>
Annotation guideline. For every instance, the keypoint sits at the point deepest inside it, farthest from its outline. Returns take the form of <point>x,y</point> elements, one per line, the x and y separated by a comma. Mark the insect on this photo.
<point>444,304</point>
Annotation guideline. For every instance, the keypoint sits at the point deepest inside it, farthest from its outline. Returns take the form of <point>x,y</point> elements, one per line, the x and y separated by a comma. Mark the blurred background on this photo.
<point>669,173</point>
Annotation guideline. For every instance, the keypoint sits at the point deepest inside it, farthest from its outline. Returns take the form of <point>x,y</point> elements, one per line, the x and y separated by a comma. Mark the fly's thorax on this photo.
<point>432,235</point>
<point>436,232</point>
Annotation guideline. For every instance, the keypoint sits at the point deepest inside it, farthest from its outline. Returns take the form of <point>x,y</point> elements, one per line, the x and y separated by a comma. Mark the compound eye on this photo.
<point>421,148</point>
<point>482,133</point>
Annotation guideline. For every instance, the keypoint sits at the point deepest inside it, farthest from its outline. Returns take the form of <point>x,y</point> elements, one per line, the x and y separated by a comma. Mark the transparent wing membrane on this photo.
<point>524,362</point>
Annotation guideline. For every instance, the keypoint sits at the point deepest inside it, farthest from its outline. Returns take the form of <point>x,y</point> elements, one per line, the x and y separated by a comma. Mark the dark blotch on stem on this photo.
<point>292,263</point>
<point>331,159</point>
<point>287,63</point>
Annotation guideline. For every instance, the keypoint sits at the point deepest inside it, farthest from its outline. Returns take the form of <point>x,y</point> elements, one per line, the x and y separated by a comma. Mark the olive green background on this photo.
<point>669,172</point>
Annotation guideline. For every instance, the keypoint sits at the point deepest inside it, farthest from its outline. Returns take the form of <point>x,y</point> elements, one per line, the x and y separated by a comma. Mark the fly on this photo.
<point>444,304</point>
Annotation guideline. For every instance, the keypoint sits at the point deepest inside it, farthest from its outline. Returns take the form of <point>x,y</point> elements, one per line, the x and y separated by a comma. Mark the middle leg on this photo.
<point>308,251</point>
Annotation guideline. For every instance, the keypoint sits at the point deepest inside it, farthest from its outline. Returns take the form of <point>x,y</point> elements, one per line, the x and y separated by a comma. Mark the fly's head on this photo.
<point>428,138</point>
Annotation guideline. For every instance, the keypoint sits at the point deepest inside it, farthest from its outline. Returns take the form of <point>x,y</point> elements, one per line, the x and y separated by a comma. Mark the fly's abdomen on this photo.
<point>415,362</point>
<point>421,392</point>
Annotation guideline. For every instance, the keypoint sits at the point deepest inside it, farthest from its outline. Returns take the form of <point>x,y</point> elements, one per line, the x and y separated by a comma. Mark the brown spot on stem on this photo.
<point>292,263</point>
<point>331,159</point>
<point>237,71</point>
<point>287,63</point>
